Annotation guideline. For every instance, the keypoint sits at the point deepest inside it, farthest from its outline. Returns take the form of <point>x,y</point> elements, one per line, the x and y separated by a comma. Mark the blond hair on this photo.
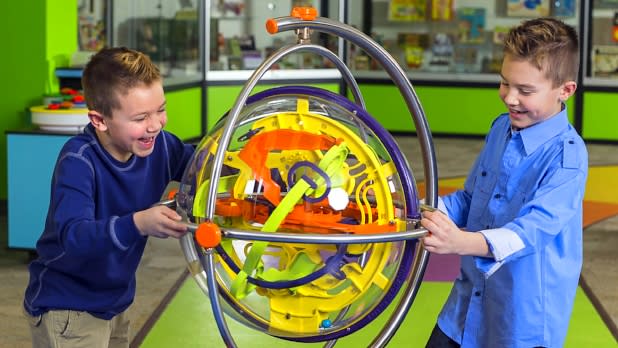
<point>547,43</point>
<point>111,72</point>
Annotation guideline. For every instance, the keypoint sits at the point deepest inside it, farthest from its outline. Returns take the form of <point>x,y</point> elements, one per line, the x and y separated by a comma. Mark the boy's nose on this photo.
<point>511,98</point>
<point>156,123</point>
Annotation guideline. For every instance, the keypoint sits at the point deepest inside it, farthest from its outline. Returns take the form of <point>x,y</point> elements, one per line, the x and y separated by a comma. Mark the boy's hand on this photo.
<point>445,237</point>
<point>159,221</point>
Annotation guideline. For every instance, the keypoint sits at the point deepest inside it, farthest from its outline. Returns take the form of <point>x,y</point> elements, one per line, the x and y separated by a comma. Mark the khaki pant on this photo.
<point>66,328</point>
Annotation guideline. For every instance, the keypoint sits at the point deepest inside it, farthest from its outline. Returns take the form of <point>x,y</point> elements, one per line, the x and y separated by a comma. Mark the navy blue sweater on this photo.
<point>90,249</point>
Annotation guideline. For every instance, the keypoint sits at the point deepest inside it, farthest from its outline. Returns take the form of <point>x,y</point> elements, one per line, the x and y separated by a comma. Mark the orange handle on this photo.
<point>208,235</point>
<point>304,13</point>
<point>172,194</point>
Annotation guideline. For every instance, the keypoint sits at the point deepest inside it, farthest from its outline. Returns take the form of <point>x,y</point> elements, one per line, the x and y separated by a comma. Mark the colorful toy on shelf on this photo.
<point>67,99</point>
<point>62,112</point>
<point>303,211</point>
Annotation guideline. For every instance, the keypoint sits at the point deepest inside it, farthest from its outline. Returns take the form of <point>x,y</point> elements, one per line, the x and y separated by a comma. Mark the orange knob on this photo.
<point>172,194</point>
<point>208,235</point>
<point>271,26</point>
<point>304,13</point>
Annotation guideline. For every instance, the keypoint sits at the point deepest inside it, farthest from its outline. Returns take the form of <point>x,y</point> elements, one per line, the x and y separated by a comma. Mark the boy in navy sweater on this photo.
<point>101,211</point>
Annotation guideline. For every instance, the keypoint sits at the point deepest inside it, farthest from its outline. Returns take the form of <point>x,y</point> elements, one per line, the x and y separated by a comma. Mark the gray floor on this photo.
<point>163,264</point>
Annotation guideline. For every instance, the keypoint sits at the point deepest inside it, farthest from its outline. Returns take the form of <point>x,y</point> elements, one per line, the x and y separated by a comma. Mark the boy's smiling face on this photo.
<point>528,94</point>
<point>133,127</point>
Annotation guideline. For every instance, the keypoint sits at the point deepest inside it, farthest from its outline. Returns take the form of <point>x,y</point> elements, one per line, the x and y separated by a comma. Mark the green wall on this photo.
<point>601,121</point>
<point>36,36</point>
<point>43,37</point>
<point>184,112</point>
<point>449,110</point>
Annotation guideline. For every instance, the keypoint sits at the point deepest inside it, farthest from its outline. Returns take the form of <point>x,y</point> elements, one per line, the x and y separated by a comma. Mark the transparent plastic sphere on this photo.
<point>307,161</point>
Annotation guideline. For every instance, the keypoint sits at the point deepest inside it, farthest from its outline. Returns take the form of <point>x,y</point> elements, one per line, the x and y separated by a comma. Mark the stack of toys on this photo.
<point>62,112</point>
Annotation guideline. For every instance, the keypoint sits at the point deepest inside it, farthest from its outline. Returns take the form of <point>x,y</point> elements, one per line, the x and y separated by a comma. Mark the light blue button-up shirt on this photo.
<point>524,194</point>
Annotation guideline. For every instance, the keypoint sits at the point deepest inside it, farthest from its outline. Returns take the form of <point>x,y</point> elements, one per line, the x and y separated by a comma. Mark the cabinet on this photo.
<point>449,48</point>
<point>31,157</point>
<point>238,43</point>
<point>238,39</point>
<point>447,40</point>
<point>602,43</point>
<point>600,71</point>
<point>435,42</point>
<point>168,31</point>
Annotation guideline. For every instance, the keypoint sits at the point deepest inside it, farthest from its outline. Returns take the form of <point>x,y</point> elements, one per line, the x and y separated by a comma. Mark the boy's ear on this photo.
<point>97,120</point>
<point>568,89</point>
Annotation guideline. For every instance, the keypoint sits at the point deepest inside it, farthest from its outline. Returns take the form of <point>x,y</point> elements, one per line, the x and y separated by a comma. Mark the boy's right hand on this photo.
<point>159,221</point>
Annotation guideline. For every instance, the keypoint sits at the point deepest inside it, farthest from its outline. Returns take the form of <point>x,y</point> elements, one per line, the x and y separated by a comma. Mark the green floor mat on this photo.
<point>188,322</point>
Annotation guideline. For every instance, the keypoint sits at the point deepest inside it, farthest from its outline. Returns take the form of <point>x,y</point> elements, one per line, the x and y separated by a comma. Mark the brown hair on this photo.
<point>112,72</point>
<point>547,43</point>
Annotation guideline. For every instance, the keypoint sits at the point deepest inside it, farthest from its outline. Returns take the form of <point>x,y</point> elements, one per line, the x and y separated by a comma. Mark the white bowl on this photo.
<point>61,120</point>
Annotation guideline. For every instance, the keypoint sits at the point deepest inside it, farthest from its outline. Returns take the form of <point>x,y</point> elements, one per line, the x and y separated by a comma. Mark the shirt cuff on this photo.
<point>123,231</point>
<point>442,206</point>
<point>502,242</point>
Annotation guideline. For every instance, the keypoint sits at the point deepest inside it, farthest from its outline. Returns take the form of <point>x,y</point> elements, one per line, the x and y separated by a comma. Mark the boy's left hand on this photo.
<point>159,221</point>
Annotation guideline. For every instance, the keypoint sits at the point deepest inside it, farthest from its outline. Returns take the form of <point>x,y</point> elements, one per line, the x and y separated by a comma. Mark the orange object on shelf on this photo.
<point>66,105</point>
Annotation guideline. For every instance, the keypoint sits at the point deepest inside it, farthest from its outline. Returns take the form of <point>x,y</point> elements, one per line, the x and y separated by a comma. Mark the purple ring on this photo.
<point>311,182</point>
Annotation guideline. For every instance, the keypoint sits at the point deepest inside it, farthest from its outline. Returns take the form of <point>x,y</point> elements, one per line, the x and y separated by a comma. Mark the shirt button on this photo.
<point>497,195</point>
<point>484,173</point>
<point>477,293</point>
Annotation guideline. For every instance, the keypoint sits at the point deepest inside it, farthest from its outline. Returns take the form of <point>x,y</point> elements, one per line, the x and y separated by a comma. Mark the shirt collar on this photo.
<point>536,135</point>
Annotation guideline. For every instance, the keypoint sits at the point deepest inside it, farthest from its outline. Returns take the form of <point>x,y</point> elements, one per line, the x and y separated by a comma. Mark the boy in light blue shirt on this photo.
<point>518,221</point>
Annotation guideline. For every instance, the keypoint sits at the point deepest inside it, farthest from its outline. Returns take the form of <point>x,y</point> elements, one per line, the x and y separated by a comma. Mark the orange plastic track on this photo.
<point>255,153</point>
<point>307,217</point>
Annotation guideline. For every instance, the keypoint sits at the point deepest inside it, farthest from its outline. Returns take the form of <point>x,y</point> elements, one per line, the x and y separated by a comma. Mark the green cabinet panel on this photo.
<point>449,110</point>
<point>184,112</point>
<point>222,98</point>
<point>600,121</point>
<point>453,110</point>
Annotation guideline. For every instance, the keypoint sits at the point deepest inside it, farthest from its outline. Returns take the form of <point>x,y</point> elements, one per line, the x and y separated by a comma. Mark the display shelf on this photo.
<point>239,40</point>
<point>444,40</point>
<point>275,75</point>
<point>167,30</point>
<point>601,43</point>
